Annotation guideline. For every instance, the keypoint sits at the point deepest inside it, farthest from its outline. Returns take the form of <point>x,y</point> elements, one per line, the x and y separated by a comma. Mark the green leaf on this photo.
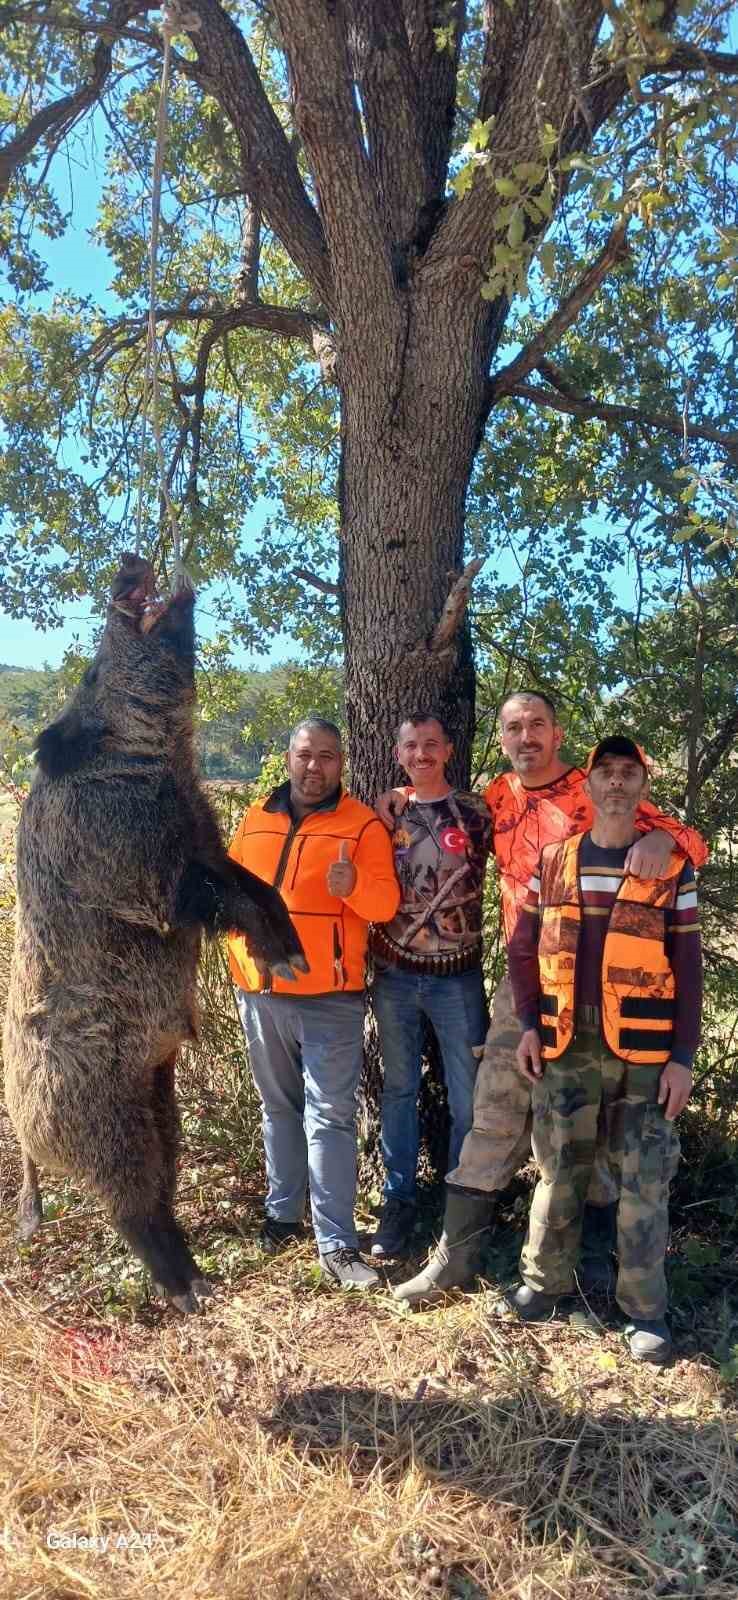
<point>516,229</point>
<point>530,171</point>
<point>544,199</point>
<point>463,180</point>
<point>507,186</point>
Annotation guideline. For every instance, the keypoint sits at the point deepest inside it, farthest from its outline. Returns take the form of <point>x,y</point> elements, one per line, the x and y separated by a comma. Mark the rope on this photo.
<point>173,21</point>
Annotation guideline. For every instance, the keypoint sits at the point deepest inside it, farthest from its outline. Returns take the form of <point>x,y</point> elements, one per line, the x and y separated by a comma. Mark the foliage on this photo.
<point>241,716</point>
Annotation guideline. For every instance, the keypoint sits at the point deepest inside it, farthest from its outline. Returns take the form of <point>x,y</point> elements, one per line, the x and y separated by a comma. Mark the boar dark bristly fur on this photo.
<point>120,869</point>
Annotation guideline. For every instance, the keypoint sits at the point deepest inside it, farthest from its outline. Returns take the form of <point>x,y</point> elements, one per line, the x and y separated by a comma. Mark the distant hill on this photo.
<point>30,698</point>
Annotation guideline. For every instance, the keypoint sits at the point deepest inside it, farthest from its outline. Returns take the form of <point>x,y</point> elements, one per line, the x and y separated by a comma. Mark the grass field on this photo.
<point>295,1443</point>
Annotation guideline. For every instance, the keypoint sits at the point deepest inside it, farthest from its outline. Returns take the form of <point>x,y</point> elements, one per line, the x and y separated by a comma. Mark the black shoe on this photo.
<point>396,1225</point>
<point>532,1305</point>
<point>596,1271</point>
<point>275,1236</point>
<point>455,1259</point>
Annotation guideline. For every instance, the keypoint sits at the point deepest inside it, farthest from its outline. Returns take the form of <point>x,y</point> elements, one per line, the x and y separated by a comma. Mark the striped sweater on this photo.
<point>600,876</point>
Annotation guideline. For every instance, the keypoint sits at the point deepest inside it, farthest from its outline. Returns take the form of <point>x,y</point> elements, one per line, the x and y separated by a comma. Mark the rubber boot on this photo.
<point>455,1259</point>
<point>596,1271</point>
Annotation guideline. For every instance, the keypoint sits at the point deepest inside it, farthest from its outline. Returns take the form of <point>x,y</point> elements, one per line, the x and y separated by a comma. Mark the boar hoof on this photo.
<point>186,1302</point>
<point>30,1217</point>
<point>202,1288</point>
<point>283,970</point>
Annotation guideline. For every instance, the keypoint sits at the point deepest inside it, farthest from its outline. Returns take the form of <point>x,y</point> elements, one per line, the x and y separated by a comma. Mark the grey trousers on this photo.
<point>306,1057</point>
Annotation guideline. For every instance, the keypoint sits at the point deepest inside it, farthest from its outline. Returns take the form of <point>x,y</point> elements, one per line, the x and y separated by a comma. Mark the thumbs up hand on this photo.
<point>341,875</point>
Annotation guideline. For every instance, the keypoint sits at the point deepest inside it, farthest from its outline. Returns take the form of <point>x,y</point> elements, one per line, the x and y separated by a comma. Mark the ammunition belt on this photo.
<point>447,963</point>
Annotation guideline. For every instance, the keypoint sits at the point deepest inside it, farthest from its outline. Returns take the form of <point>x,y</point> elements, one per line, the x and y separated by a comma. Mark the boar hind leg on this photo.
<point>182,1256</point>
<point>151,1241</point>
<point>166,1116</point>
<point>118,1151</point>
<point>30,1210</point>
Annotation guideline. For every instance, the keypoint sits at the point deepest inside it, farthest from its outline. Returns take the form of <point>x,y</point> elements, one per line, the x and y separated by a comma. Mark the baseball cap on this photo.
<point>617,745</point>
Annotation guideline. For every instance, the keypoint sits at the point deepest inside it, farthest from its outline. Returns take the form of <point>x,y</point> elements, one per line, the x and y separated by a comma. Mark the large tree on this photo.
<point>366,184</point>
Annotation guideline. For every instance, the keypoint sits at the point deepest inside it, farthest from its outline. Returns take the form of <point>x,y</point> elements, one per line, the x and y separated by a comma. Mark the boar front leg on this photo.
<point>231,899</point>
<point>30,1209</point>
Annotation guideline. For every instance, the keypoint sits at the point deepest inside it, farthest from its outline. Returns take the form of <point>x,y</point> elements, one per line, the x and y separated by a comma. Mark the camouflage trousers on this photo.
<point>590,1102</point>
<point>499,1142</point>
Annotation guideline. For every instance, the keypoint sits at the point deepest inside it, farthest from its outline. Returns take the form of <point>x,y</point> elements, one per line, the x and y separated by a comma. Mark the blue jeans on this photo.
<point>306,1057</point>
<point>457,1008</point>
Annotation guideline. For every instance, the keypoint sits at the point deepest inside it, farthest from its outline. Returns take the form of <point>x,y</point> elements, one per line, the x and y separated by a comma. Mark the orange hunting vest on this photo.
<point>637,1006</point>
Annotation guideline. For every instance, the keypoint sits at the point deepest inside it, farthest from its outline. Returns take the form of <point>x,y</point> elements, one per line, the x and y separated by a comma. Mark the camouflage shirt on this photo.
<point>440,850</point>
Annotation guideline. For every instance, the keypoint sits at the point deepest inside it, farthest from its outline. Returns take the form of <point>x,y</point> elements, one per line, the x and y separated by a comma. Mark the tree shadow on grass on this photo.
<point>654,1500</point>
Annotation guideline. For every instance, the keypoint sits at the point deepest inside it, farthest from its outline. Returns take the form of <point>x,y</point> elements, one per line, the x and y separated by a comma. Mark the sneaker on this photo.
<point>396,1225</point>
<point>532,1305</point>
<point>275,1236</point>
<point>649,1341</point>
<point>347,1269</point>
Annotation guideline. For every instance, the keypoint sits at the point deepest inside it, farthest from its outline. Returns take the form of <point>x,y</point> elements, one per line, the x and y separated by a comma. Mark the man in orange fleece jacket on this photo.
<point>331,859</point>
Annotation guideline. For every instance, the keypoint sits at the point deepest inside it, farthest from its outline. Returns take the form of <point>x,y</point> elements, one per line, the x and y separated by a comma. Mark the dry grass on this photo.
<point>296,1444</point>
<point>293,1442</point>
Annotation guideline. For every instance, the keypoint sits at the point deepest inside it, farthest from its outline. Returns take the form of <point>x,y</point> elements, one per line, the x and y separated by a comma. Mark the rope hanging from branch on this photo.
<point>174,20</point>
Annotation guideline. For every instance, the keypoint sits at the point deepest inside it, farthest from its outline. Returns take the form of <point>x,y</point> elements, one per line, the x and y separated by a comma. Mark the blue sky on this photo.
<point>76,261</point>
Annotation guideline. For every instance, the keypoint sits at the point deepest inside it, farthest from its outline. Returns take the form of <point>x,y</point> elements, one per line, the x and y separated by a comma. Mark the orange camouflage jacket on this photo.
<point>524,821</point>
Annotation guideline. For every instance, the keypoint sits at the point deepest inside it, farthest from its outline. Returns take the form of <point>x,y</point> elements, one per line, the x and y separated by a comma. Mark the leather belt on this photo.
<point>447,963</point>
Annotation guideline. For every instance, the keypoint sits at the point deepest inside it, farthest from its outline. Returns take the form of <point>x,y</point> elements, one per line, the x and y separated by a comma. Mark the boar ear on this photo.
<point>66,744</point>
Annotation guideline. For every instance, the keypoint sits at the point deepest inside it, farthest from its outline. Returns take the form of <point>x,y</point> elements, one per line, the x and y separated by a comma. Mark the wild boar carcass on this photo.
<point>120,869</point>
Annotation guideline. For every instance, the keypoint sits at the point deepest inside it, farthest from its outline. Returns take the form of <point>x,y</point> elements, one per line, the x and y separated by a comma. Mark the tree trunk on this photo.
<point>407,459</point>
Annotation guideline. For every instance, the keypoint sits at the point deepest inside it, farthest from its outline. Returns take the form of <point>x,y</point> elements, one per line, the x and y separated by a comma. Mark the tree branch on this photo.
<point>225,67</point>
<point>454,608</point>
<point>690,58</point>
<point>303,575</point>
<point>614,250</point>
<point>586,407</point>
<point>314,34</point>
<point>506,30</point>
<point>717,747</point>
<point>436,74</point>
<point>287,322</point>
<point>56,119</point>
<point>246,286</point>
<point>380,53</point>
<point>533,84</point>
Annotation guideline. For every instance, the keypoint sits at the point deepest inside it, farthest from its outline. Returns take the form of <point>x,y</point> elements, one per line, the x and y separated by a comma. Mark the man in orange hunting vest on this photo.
<point>606,974</point>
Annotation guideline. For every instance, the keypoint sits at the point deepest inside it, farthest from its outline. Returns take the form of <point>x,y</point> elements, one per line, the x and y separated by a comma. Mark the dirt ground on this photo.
<point>294,1441</point>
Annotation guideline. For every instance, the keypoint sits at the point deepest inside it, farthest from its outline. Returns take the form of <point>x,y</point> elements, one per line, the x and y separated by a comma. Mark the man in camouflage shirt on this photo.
<point>428,962</point>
